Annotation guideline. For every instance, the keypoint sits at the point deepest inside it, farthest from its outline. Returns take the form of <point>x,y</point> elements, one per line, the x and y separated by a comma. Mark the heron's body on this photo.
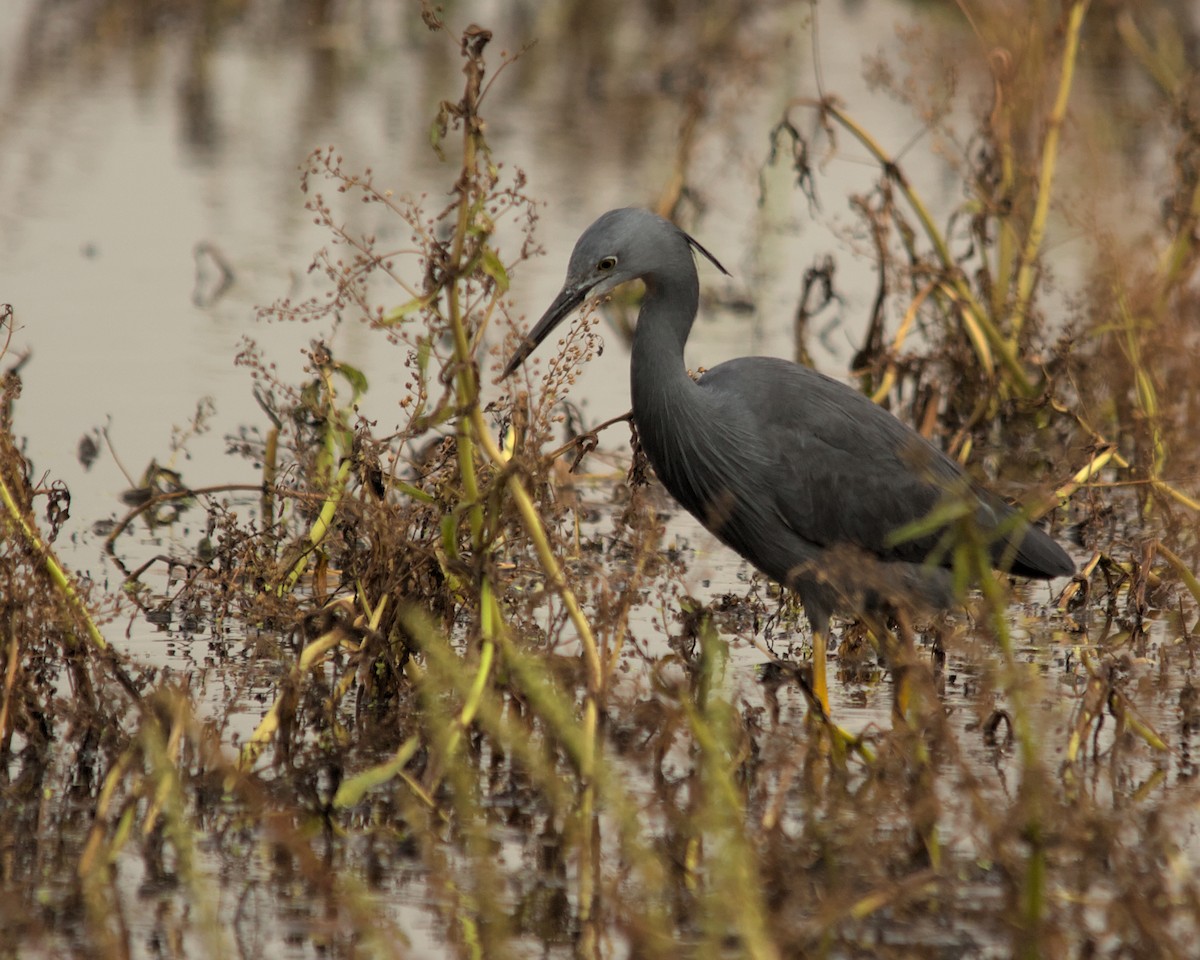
<point>790,468</point>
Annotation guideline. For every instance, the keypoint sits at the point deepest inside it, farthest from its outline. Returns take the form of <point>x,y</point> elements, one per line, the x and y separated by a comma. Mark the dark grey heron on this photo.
<point>802,475</point>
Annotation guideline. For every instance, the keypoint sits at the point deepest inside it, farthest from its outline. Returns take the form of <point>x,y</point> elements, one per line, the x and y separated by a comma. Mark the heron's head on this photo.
<point>622,245</point>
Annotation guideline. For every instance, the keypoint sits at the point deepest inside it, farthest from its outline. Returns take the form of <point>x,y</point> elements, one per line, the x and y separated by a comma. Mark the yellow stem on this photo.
<point>57,574</point>
<point>1027,272</point>
<point>537,533</point>
<point>979,326</point>
<point>319,529</point>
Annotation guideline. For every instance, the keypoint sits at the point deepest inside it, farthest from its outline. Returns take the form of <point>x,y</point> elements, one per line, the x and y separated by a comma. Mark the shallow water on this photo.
<point>129,145</point>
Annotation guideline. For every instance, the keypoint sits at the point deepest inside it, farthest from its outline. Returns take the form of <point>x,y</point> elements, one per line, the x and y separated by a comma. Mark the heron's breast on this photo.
<point>717,473</point>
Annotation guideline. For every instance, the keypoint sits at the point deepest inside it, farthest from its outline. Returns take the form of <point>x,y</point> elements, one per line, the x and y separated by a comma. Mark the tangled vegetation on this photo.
<point>485,686</point>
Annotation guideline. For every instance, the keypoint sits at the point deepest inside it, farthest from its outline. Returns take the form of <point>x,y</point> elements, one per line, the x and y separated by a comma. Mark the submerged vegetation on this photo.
<point>491,713</point>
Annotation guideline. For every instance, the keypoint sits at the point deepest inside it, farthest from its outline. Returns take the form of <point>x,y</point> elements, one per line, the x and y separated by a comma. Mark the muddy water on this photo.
<point>131,148</point>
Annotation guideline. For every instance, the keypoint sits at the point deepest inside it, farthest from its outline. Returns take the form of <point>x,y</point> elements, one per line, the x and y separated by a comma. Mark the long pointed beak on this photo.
<point>570,297</point>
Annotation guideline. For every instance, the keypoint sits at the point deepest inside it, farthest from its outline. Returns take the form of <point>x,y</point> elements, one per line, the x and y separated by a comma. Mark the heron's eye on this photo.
<point>606,264</point>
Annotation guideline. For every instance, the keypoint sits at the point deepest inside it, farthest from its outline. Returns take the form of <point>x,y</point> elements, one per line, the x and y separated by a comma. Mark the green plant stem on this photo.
<point>310,656</point>
<point>58,575</point>
<point>734,884</point>
<point>537,533</point>
<point>490,620</point>
<point>354,788</point>
<point>575,735</point>
<point>1147,395</point>
<point>1166,71</point>
<point>532,522</point>
<point>1032,895</point>
<point>331,426</point>
<point>320,528</point>
<point>468,398</point>
<point>466,384</point>
<point>472,430</point>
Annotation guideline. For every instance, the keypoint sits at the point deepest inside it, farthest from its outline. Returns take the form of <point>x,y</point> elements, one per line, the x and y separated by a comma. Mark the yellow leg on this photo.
<point>834,742</point>
<point>820,683</point>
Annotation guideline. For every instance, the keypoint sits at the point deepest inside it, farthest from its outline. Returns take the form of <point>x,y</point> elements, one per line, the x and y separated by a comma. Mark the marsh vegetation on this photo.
<point>473,687</point>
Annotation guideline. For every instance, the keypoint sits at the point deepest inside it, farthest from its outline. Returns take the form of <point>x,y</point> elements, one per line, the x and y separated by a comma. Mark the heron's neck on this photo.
<point>658,371</point>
